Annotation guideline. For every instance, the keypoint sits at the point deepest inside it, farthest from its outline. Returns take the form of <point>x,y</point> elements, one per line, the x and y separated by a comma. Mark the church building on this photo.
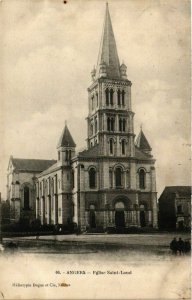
<point>111,184</point>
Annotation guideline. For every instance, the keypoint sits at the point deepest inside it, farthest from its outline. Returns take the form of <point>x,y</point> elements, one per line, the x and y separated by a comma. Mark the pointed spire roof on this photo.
<point>108,50</point>
<point>66,139</point>
<point>142,142</point>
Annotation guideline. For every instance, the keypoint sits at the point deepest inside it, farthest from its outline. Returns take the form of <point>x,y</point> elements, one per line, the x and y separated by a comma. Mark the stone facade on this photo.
<point>112,183</point>
<point>175,208</point>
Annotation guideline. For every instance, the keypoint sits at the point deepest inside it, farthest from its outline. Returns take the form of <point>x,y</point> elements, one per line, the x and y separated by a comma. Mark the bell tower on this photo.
<point>65,147</point>
<point>110,118</point>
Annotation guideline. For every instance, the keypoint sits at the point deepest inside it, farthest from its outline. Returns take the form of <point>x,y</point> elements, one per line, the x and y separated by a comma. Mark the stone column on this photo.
<point>42,210</point>
<point>129,97</point>
<point>125,179</point>
<point>82,198</point>
<point>132,175</point>
<point>37,209</point>
<point>138,218</point>
<point>55,209</point>
<point>48,210</point>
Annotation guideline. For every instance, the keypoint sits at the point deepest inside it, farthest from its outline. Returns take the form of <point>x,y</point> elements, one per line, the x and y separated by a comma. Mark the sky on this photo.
<point>47,51</point>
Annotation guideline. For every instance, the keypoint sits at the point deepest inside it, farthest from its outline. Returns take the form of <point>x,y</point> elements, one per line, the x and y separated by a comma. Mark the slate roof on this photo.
<point>49,170</point>
<point>108,50</point>
<point>139,154</point>
<point>182,191</point>
<point>33,165</point>
<point>142,142</point>
<point>95,151</point>
<point>66,139</point>
<point>92,152</point>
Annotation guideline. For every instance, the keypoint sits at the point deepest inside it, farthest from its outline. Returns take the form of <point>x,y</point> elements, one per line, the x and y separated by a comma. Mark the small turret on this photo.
<point>66,147</point>
<point>93,73</point>
<point>102,69</point>
<point>142,143</point>
<point>123,71</point>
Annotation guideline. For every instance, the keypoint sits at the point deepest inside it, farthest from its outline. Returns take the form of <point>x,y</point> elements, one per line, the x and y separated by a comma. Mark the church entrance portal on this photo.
<point>142,216</point>
<point>92,218</point>
<point>119,214</point>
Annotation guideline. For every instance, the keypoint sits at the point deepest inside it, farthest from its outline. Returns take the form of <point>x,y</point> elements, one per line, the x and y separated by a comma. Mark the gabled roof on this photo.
<point>33,165</point>
<point>108,50</point>
<point>142,142</point>
<point>66,139</point>
<point>180,190</point>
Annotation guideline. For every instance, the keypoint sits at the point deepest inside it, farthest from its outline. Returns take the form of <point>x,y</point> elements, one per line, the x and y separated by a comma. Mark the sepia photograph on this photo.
<point>95,158</point>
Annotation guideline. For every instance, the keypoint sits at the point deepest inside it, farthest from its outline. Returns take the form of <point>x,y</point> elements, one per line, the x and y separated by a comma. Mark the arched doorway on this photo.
<point>119,214</point>
<point>142,216</point>
<point>92,218</point>
<point>26,198</point>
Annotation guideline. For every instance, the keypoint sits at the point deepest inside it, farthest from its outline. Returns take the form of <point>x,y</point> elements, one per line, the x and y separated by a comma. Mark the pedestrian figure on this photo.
<point>173,246</point>
<point>187,246</point>
<point>37,236</point>
<point>180,246</point>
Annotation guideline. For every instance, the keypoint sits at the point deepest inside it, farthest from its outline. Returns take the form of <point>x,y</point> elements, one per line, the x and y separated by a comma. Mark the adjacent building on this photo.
<point>113,182</point>
<point>175,208</point>
<point>21,194</point>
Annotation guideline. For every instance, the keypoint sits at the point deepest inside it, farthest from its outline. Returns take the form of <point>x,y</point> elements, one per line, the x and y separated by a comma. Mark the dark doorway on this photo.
<point>181,225</point>
<point>120,218</point>
<point>142,218</point>
<point>26,198</point>
<point>92,219</point>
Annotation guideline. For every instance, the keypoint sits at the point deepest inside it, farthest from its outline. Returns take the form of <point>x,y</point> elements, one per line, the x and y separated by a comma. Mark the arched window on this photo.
<point>123,97</point>
<point>66,155</point>
<point>97,98</point>
<point>118,177</point>
<point>108,124</point>
<point>120,124</point>
<point>91,129</point>
<point>69,154</point>
<point>111,146</point>
<point>111,96</point>
<point>142,179</point>
<point>92,102</point>
<point>95,125</point>
<point>58,155</point>
<point>119,97</point>
<point>112,124</point>
<point>26,197</point>
<point>72,179</point>
<point>92,178</point>
<point>91,144</point>
<point>124,125</point>
<point>107,96</point>
<point>123,147</point>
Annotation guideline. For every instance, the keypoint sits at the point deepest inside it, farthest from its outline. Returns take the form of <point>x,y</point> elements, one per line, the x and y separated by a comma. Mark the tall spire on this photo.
<point>108,57</point>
